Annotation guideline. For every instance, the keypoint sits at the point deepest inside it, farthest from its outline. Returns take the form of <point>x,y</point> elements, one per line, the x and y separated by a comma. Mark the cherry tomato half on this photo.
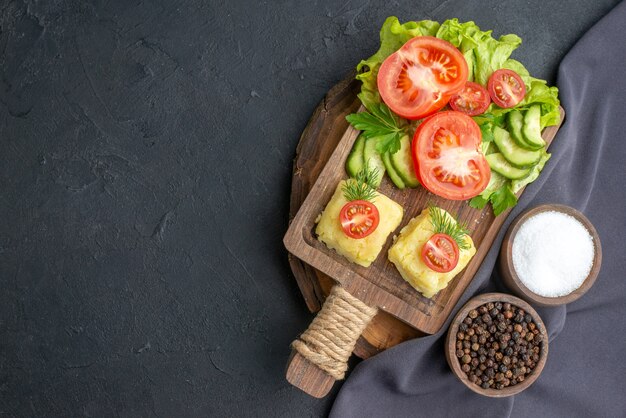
<point>447,156</point>
<point>440,253</point>
<point>420,77</point>
<point>472,100</point>
<point>359,218</point>
<point>506,88</point>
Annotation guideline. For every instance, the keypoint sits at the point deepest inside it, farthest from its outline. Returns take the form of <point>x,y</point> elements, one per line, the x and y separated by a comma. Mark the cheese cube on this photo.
<point>361,251</point>
<point>406,255</point>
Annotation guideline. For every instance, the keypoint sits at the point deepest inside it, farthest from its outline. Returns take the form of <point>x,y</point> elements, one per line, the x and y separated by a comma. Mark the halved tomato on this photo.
<point>472,100</point>
<point>420,77</point>
<point>447,156</point>
<point>359,218</point>
<point>506,88</point>
<point>440,253</point>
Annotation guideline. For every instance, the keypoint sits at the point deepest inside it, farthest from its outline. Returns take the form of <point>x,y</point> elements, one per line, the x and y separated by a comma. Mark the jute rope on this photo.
<point>330,339</point>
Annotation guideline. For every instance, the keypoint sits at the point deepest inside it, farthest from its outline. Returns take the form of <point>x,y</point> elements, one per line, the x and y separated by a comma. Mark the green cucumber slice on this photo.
<point>354,162</point>
<point>532,127</point>
<point>391,171</point>
<point>515,122</point>
<point>500,165</point>
<point>402,161</point>
<point>515,154</point>
<point>372,158</point>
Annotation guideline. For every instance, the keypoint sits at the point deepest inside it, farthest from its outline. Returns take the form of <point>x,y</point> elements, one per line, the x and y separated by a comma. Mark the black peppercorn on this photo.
<point>497,343</point>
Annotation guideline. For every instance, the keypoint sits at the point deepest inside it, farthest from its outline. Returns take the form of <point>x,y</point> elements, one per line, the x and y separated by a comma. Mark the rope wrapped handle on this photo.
<point>328,342</point>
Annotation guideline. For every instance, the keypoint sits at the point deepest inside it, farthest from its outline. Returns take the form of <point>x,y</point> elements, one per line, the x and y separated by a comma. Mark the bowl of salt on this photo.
<point>551,255</point>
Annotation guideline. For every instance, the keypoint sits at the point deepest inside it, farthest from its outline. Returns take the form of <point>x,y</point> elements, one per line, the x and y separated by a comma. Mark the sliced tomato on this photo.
<point>420,77</point>
<point>506,88</point>
<point>440,253</point>
<point>447,156</point>
<point>359,218</point>
<point>472,100</point>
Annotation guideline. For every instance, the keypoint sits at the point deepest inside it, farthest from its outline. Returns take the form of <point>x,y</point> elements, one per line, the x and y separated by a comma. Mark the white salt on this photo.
<point>552,253</point>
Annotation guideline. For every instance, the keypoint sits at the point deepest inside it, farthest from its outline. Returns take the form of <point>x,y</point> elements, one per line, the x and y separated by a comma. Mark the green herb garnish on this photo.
<point>443,224</point>
<point>364,185</point>
<point>380,123</point>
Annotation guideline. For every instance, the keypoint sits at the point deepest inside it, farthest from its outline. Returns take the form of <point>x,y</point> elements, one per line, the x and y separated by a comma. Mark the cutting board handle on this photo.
<point>320,355</point>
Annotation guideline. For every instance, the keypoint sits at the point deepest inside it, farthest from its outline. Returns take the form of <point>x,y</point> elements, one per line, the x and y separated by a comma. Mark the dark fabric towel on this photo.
<point>586,367</point>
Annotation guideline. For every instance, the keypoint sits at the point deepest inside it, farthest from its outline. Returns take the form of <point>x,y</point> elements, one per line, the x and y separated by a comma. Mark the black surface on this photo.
<point>145,162</point>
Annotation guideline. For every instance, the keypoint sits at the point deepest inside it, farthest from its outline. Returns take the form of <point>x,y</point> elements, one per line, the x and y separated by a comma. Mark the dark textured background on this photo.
<point>145,161</point>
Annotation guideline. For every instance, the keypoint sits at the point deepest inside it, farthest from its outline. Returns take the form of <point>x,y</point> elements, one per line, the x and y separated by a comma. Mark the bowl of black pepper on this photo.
<point>497,345</point>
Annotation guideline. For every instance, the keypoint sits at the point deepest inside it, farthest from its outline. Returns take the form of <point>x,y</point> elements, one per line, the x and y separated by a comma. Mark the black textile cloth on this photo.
<point>584,374</point>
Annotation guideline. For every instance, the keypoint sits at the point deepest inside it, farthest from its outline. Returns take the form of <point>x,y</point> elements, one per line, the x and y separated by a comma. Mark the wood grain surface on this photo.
<point>328,137</point>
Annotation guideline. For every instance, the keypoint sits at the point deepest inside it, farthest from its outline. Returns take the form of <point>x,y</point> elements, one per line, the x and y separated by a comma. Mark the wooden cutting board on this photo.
<point>318,167</point>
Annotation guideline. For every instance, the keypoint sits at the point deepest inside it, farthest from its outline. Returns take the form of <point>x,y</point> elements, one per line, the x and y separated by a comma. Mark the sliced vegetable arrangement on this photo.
<point>486,148</point>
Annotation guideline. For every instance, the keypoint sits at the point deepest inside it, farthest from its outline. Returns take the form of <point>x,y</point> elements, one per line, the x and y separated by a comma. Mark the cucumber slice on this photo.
<point>402,161</point>
<point>354,162</point>
<point>500,165</point>
<point>391,171</point>
<point>532,127</point>
<point>372,158</point>
<point>515,154</point>
<point>515,121</point>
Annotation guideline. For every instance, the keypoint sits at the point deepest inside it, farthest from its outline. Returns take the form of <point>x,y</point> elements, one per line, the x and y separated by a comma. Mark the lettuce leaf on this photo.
<point>516,185</point>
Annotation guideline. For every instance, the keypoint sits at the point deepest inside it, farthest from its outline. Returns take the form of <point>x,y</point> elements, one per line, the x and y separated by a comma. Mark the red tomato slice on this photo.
<point>506,88</point>
<point>420,77</point>
<point>359,218</point>
<point>447,156</point>
<point>472,100</point>
<point>440,253</point>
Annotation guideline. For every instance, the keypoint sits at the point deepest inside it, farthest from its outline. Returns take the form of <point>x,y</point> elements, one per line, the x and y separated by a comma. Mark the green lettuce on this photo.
<point>516,185</point>
<point>483,53</point>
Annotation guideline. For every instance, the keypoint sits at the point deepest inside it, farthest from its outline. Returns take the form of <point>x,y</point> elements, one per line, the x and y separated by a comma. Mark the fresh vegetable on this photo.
<point>393,174</point>
<point>485,57</point>
<point>515,154</point>
<point>506,88</point>
<point>419,78</point>
<point>364,186</point>
<point>382,124</point>
<point>515,123</point>
<point>472,100</point>
<point>354,162</point>
<point>403,163</point>
<point>359,218</point>
<point>373,161</point>
<point>500,165</point>
<point>532,127</point>
<point>441,252</point>
<point>447,156</point>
